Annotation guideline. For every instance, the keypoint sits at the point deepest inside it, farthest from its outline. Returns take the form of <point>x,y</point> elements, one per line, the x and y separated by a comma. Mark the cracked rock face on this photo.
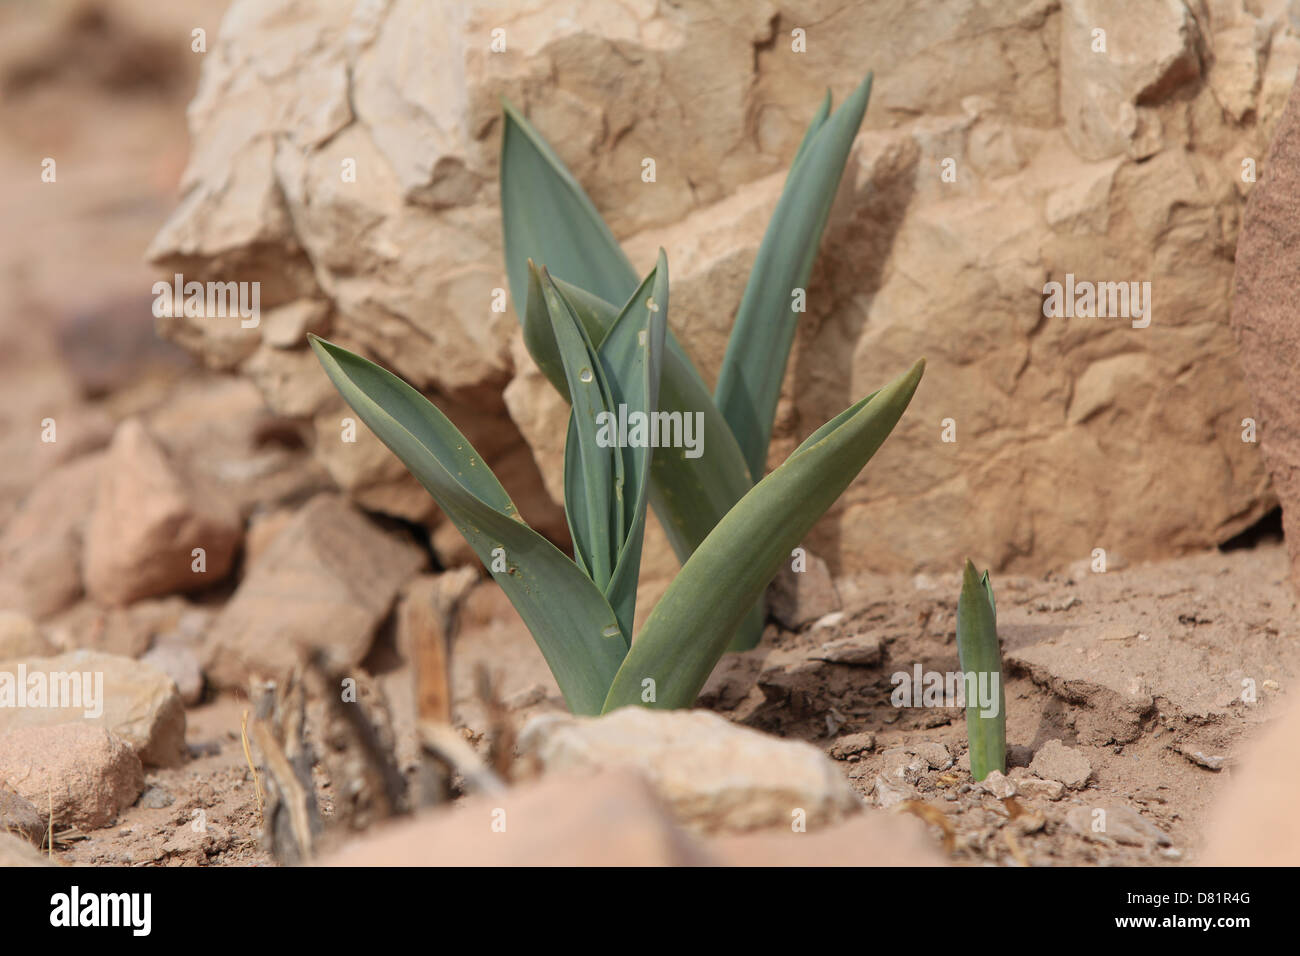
<point>345,156</point>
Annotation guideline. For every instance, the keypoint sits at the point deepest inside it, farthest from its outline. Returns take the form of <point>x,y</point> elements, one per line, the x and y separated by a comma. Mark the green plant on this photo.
<point>733,532</point>
<point>981,664</point>
<point>547,217</point>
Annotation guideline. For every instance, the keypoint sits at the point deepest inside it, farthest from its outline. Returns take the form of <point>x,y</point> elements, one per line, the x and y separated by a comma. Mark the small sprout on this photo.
<point>981,664</point>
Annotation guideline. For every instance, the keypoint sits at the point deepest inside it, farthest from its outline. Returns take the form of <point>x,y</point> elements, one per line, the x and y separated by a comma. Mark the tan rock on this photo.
<point>40,548</point>
<point>870,839</point>
<point>1254,822</point>
<point>150,533</point>
<point>796,598</point>
<point>1267,260</point>
<point>714,775</point>
<point>85,773</point>
<point>15,851</point>
<point>613,819</point>
<point>19,637</point>
<point>328,579</point>
<point>1122,165</point>
<point>137,703</point>
<point>1055,761</point>
<point>19,817</point>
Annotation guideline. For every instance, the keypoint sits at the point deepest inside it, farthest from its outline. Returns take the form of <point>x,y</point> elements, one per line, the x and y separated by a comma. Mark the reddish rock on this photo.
<point>1264,318</point>
<point>148,521</point>
<point>609,820</point>
<point>84,773</point>
<point>40,549</point>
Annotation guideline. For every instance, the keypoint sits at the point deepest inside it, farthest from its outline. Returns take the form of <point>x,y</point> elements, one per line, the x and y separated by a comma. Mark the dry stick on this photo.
<point>291,791</point>
<point>257,777</point>
<point>433,627</point>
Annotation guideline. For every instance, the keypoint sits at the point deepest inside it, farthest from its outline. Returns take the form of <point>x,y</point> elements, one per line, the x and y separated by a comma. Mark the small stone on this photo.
<point>1037,787</point>
<point>1199,758</point>
<point>1055,761</point>
<point>888,794</point>
<point>850,745</point>
<point>828,622</point>
<point>89,774</point>
<point>155,798</point>
<point>798,597</point>
<point>903,766</point>
<point>934,754</point>
<point>997,784</point>
<point>862,650</point>
<point>1119,823</point>
<point>18,815</point>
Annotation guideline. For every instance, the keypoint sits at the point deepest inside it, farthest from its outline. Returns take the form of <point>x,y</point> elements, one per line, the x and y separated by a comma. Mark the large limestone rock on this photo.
<point>714,775</point>
<point>1264,318</point>
<point>1115,162</point>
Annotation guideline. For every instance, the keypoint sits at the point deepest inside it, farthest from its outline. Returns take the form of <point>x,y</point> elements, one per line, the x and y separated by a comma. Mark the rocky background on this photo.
<point>179,513</point>
<point>1124,165</point>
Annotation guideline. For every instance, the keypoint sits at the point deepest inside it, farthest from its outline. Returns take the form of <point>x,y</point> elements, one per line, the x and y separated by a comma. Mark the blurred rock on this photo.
<point>19,816</point>
<point>1254,823</point>
<point>148,522</point>
<point>88,773</point>
<point>713,774</point>
<point>136,702</point>
<point>870,839</point>
<point>328,580</point>
<point>179,660</point>
<point>40,548</point>
<point>1268,261</point>
<point>125,631</point>
<point>613,819</point>
<point>15,851</point>
<point>19,637</point>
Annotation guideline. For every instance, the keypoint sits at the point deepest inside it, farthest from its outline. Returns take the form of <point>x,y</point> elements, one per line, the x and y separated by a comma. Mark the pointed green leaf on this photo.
<point>569,618</point>
<point>595,314</point>
<point>592,472</point>
<point>693,622</point>
<point>547,217</point>
<point>632,354</point>
<point>823,111</point>
<point>981,662</point>
<point>753,368</point>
